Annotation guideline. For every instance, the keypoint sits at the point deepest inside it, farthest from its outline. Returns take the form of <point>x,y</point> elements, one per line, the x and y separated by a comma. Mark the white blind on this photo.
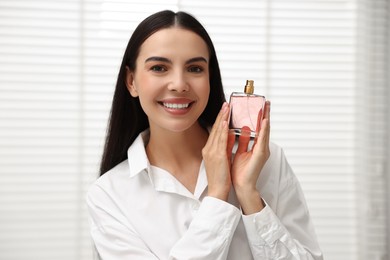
<point>372,130</point>
<point>40,129</point>
<point>58,66</point>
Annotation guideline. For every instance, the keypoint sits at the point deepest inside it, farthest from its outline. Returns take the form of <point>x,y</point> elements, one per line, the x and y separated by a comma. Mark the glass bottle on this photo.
<point>246,109</point>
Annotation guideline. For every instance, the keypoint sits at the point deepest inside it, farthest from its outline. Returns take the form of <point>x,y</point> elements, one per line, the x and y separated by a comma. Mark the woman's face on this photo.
<point>171,79</point>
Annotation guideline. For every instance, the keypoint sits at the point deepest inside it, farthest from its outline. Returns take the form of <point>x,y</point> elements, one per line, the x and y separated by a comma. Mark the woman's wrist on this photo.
<point>222,194</point>
<point>250,201</point>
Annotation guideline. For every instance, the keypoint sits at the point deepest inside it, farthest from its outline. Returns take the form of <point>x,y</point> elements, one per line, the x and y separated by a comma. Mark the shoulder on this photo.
<point>277,157</point>
<point>105,200</point>
<point>108,182</point>
<point>120,171</point>
<point>276,150</point>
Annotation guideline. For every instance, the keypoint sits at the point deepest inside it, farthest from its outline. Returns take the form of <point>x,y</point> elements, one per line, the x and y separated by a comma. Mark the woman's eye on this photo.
<point>195,69</point>
<point>158,68</point>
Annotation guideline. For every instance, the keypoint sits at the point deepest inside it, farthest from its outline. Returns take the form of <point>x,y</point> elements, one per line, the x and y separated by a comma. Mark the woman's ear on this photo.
<point>130,82</point>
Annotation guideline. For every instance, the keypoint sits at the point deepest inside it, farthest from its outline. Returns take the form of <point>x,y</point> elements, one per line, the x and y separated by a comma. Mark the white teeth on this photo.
<point>175,106</point>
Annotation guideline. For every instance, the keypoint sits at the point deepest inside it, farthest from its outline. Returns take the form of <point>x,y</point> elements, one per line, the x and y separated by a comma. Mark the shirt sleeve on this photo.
<point>210,233</point>
<point>208,236</point>
<point>269,238</point>
<point>112,237</point>
<point>284,231</point>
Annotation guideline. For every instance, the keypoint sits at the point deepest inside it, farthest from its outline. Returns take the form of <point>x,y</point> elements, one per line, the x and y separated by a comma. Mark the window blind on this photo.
<point>40,129</point>
<point>372,130</point>
<point>58,67</point>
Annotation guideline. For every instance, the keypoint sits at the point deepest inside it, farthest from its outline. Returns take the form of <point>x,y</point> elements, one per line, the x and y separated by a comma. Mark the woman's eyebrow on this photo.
<point>162,59</point>
<point>196,59</point>
<point>156,58</point>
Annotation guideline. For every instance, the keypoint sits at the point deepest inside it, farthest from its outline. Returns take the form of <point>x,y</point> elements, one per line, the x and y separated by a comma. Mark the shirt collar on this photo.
<point>138,162</point>
<point>136,154</point>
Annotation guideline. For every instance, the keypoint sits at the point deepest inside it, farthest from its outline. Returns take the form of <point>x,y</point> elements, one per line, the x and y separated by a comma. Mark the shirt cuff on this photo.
<point>218,215</point>
<point>263,227</point>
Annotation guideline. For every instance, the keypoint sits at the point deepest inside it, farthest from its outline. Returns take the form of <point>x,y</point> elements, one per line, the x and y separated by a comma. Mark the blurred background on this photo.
<point>324,64</point>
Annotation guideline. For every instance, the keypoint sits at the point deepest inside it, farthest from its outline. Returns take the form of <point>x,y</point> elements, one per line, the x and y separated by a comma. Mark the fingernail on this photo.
<point>223,108</point>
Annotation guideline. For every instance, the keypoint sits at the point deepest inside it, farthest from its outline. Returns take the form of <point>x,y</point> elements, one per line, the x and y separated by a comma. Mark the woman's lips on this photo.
<point>177,106</point>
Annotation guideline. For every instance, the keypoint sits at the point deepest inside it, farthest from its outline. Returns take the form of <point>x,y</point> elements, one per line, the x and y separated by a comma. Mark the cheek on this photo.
<point>204,94</point>
<point>205,89</point>
<point>143,84</point>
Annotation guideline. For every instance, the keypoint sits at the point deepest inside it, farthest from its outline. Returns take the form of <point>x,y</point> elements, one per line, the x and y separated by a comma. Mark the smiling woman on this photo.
<point>176,164</point>
<point>324,65</point>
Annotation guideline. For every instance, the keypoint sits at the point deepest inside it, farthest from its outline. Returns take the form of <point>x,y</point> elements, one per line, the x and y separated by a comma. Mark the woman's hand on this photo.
<point>247,165</point>
<point>216,158</point>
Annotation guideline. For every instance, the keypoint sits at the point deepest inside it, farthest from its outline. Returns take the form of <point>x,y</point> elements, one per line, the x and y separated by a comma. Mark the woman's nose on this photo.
<point>178,83</point>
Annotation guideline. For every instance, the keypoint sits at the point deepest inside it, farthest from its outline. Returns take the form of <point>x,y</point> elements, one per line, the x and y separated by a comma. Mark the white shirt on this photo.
<point>139,211</point>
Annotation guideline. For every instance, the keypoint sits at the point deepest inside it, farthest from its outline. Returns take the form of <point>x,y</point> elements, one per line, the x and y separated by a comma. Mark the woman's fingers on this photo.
<point>218,136</point>
<point>216,159</point>
<point>264,132</point>
<point>267,126</point>
<point>230,144</point>
<point>217,124</point>
<point>243,140</point>
<point>261,147</point>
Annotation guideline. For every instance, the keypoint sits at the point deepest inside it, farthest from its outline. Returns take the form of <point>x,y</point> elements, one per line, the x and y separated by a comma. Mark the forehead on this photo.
<point>174,42</point>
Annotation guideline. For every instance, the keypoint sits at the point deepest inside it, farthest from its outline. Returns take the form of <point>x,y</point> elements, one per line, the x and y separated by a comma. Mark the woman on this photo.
<point>170,187</point>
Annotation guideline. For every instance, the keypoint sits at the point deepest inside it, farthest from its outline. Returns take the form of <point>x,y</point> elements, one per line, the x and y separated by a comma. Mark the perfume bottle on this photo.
<point>246,109</point>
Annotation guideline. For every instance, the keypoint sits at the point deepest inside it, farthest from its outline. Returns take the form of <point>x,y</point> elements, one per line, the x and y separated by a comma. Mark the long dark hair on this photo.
<point>127,119</point>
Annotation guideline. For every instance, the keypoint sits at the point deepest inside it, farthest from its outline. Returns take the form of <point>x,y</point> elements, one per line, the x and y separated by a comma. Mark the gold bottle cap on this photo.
<point>249,87</point>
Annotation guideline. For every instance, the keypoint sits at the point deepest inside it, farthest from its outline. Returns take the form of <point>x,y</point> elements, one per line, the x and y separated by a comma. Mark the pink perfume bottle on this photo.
<point>246,109</point>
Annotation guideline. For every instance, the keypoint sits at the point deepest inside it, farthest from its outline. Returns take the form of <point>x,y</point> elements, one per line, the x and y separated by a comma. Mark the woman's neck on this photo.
<point>176,147</point>
<point>178,153</point>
